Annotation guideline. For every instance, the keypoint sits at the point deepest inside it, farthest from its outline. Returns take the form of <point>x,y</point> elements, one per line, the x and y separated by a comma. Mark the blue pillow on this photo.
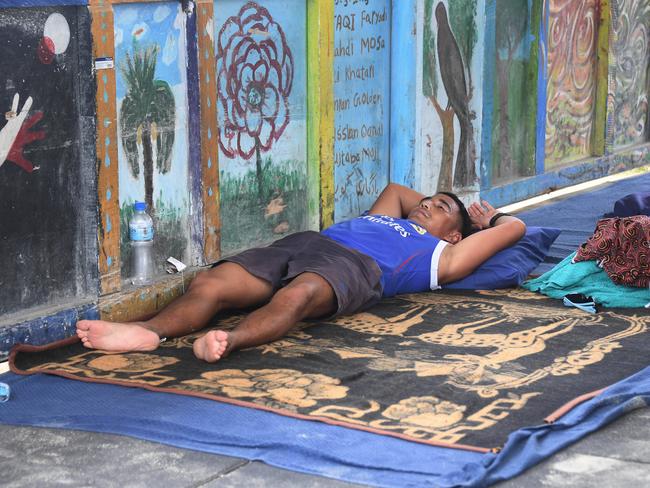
<point>511,266</point>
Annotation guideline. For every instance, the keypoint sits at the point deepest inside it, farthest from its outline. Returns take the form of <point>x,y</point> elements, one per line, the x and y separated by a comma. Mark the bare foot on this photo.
<point>212,346</point>
<point>114,336</point>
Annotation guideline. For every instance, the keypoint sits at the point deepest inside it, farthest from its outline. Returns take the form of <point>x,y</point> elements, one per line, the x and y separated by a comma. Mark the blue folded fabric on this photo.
<point>587,278</point>
<point>637,203</point>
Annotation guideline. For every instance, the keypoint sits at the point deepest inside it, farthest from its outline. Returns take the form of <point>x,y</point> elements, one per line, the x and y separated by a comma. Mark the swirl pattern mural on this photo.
<point>631,40</point>
<point>570,86</point>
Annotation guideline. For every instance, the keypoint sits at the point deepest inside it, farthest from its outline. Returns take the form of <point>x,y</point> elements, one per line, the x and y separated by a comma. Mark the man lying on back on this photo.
<point>406,243</point>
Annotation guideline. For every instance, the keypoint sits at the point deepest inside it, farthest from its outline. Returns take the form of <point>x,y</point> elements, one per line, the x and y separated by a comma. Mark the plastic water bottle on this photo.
<point>141,235</point>
<point>5,392</point>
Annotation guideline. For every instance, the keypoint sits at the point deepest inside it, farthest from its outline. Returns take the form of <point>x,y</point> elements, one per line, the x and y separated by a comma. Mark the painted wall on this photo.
<point>572,32</point>
<point>362,72</point>
<point>151,100</point>
<point>47,176</point>
<point>261,98</point>
<point>631,77</point>
<point>516,98</point>
<point>404,87</point>
<point>512,102</point>
<point>256,125</point>
<point>450,96</point>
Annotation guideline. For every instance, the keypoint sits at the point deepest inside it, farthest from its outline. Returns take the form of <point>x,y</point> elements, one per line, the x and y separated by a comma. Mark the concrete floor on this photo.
<point>34,457</point>
<point>615,456</point>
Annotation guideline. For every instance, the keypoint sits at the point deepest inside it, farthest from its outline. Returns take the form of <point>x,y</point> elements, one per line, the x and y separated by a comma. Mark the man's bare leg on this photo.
<point>307,296</point>
<point>227,286</point>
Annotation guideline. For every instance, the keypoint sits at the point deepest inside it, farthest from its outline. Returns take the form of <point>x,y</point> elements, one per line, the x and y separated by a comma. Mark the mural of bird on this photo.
<point>452,72</point>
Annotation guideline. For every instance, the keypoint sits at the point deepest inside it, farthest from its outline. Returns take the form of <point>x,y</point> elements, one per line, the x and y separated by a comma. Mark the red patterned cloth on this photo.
<point>622,248</point>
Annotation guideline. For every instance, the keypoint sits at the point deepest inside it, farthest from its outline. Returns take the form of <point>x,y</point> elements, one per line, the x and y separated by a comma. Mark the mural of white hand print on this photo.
<point>15,121</point>
<point>17,134</point>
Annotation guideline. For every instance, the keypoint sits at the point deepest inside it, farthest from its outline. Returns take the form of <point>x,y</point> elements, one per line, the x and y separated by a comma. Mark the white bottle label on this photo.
<point>140,232</point>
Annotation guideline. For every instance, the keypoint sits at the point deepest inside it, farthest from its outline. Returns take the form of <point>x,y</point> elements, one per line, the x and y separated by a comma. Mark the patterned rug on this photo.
<point>459,369</point>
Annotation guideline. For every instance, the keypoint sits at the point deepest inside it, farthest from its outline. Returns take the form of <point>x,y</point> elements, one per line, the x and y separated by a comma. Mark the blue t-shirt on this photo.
<point>405,252</point>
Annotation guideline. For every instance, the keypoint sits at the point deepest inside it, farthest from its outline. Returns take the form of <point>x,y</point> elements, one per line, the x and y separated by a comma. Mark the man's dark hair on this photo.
<point>466,227</point>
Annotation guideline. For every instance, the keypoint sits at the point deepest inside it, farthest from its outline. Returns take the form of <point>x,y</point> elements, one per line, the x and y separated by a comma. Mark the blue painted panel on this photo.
<point>488,101</point>
<point>261,78</point>
<point>361,104</point>
<point>541,93</point>
<point>153,145</point>
<point>40,3</point>
<point>48,196</point>
<point>194,137</point>
<point>509,101</point>
<point>44,330</point>
<point>403,79</point>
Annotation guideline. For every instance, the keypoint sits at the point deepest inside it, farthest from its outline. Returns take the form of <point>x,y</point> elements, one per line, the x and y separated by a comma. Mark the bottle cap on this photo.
<point>139,206</point>
<point>5,392</point>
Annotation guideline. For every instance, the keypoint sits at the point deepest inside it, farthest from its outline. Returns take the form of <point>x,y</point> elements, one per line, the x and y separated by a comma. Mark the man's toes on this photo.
<point>211,346</point>
<point>215,351</point>
<point>210,356</point>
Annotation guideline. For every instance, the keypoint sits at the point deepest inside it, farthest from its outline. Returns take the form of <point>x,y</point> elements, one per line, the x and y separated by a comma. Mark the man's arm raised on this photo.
<point>396,201</point>
<point>461,259</point>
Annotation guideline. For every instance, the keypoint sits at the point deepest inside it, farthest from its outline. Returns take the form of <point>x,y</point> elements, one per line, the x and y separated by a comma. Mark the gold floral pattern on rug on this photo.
<point>452,368</point>
<point>134,362</point>
<point>280,386</point>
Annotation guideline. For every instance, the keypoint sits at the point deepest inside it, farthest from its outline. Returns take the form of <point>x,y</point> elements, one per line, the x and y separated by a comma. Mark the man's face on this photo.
<point>438,214</point>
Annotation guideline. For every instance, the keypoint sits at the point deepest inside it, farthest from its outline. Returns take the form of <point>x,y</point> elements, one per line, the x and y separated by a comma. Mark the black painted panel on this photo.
<point>48,200</point>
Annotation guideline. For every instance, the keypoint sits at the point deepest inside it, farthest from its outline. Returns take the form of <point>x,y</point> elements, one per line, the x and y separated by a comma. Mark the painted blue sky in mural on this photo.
<point>292,17</point>
<point>362,36</point>
<point>161,24</point>
<point>281,138</point>
<point>158,25</point>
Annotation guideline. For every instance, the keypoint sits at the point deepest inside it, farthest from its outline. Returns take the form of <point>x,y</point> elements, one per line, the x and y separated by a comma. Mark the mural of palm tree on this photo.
<point>147,113</point>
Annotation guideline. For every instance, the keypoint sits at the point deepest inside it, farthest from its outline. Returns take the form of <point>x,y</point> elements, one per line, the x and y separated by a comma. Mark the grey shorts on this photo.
<point>355,277</point>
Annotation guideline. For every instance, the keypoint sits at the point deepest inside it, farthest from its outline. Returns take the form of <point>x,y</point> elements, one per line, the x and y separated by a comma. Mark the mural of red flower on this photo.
<point>254,77</point>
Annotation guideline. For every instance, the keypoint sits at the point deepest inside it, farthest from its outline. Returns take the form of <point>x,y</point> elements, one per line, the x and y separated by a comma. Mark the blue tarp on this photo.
<point>300,445</point>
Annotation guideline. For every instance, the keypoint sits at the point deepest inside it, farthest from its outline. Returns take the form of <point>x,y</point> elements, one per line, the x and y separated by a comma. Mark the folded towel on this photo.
<point>587,278</point>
